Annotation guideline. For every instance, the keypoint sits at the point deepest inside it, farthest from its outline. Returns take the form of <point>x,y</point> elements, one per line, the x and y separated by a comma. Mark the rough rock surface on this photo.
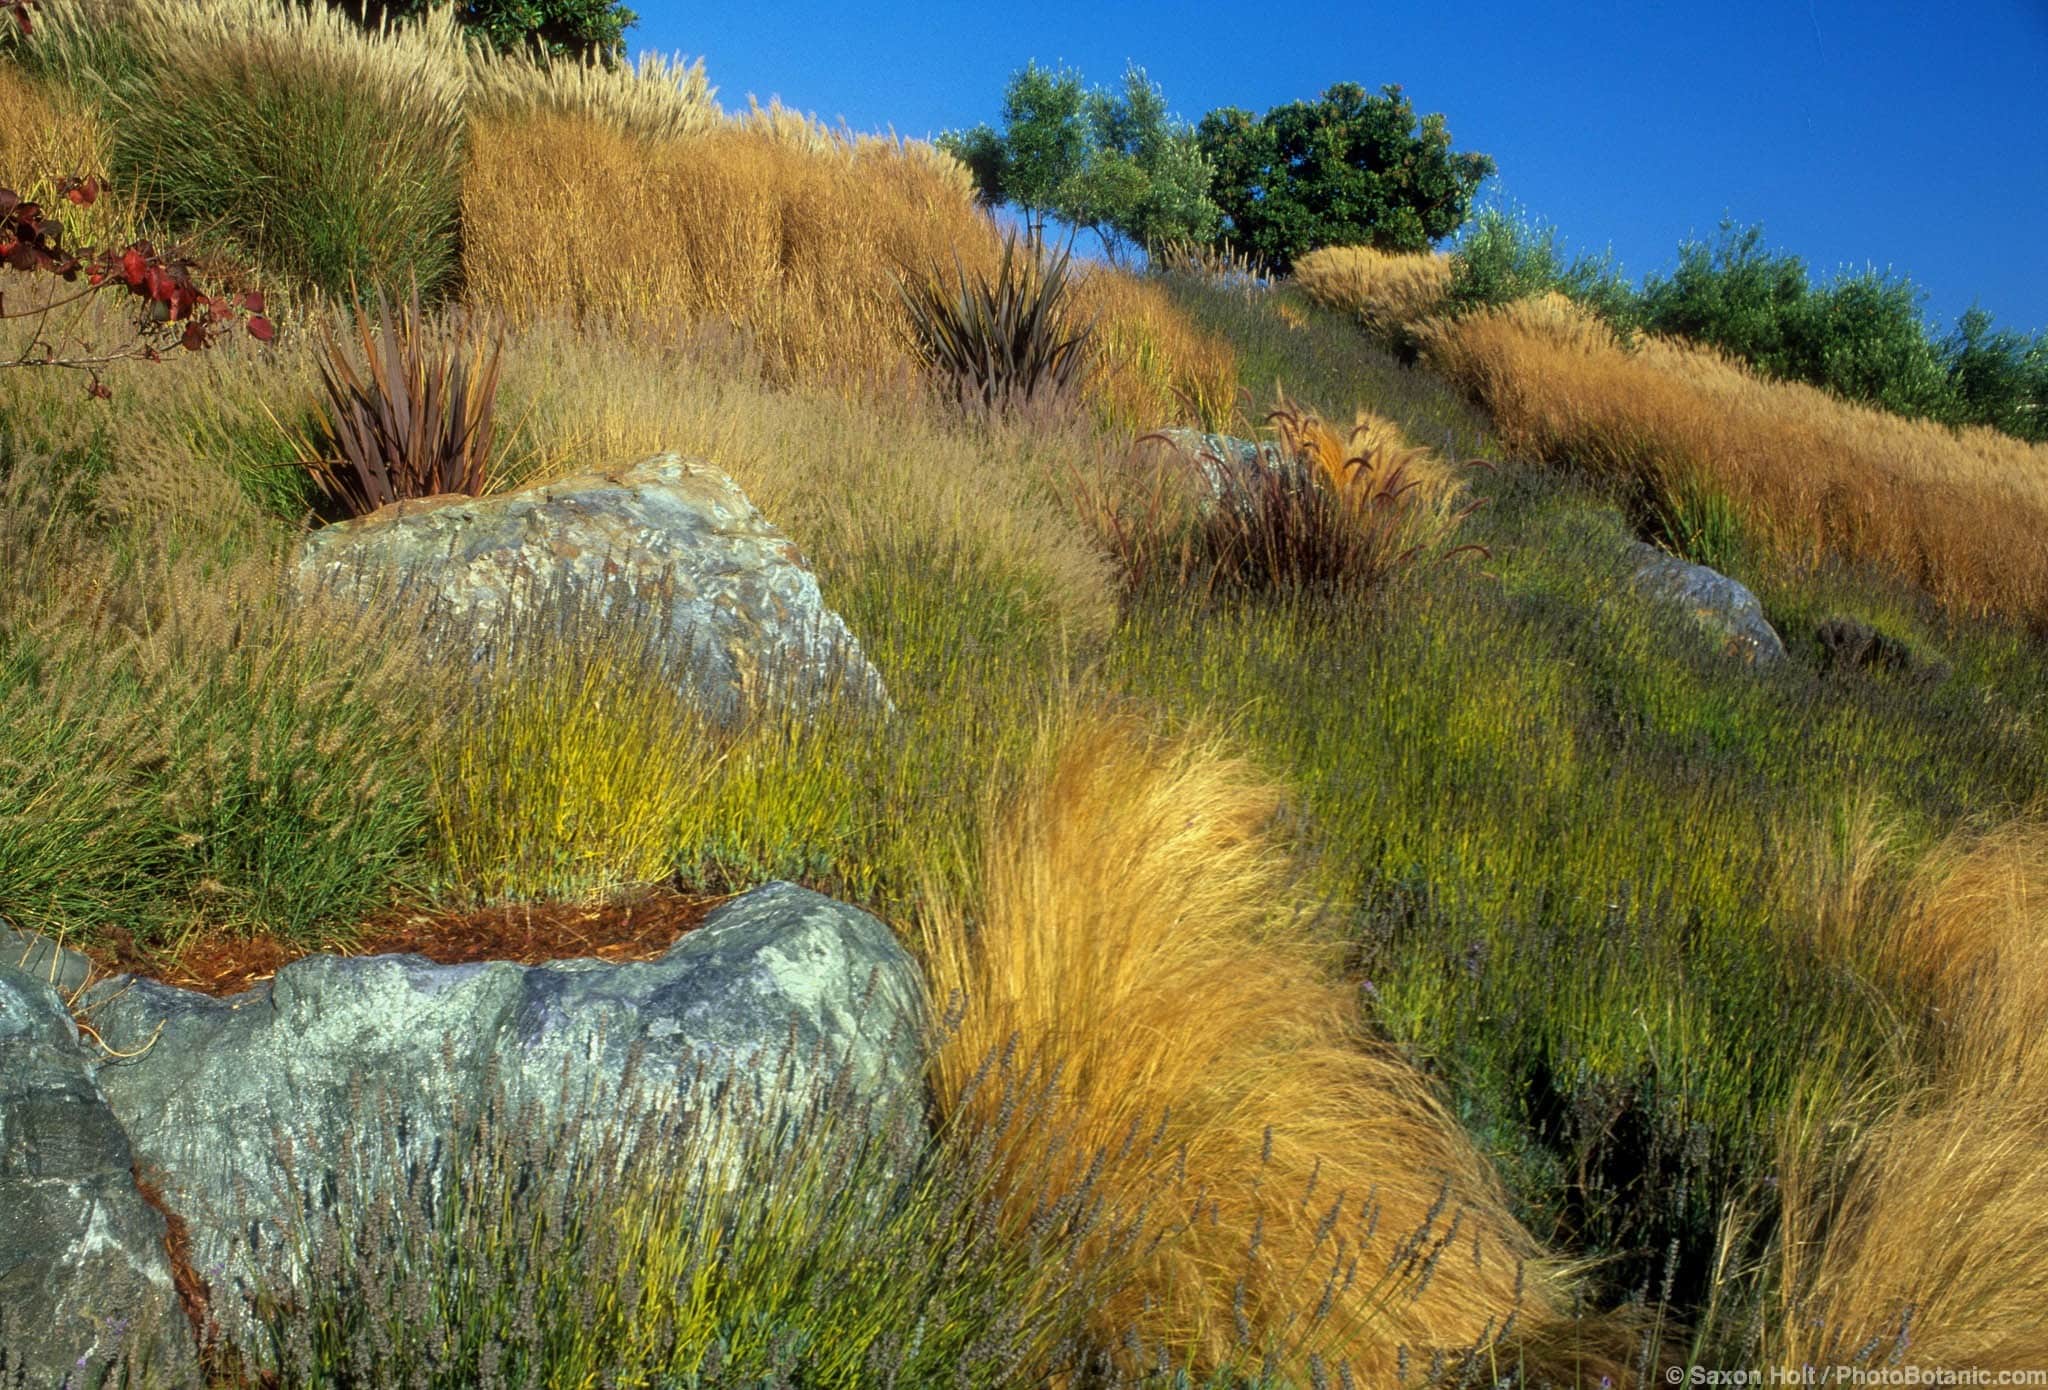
<point>780,993</point>
<point>1722,606</point>
<point>1229,467</point>
<point>85,1276</point>
<point>665,543</point>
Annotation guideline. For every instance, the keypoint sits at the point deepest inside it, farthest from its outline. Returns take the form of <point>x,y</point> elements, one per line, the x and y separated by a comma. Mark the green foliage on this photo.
<point>1003,340</point>
<point>1734,295</point>
<point>1998,379</point>
<point>1112,163</point>
<point>576,29</point>
<point>1861,336</point>
<point>817,1244</point>
<point>325,162</point>
<point>1504,256</point>
<point>254,785</point>
<point>1346,170</point>
<point>1565,821</point>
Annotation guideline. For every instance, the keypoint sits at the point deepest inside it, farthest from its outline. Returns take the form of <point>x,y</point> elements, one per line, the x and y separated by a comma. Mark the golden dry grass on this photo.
<point>51,132</point>
<point>1141,932</point>
<point>1388,291</point>
<point>798,249</point>
<point>1155,366</point>
<point>1929,1218</point>
<point>1368,461</point>
<point>1962,513</point>
<point>856,482</point>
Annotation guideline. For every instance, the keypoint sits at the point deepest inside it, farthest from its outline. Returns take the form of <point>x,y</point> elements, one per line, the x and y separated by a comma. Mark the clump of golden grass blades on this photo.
<point>1374,465</point>
<point>1389,292</point>
<point>1961,513</point>
<point>1920,1236</point>
<point>50,133</point>
<point>1369,507</point>
<point>1141,934</point>
<point>796,248</point>
<point>1154,365</point>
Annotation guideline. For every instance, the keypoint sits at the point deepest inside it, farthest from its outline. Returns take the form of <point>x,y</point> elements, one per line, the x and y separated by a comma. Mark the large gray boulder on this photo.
<point>780,997</point>
<point>666,547</point>
<point>86,1282</point>
<point>1724,608</point>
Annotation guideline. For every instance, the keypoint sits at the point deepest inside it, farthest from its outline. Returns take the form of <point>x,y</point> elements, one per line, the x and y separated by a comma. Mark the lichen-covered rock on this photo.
<point>780,995</point>
<point>664,543</point>
<point>1230,469</point>
<point>85,1275</point>
<point>1721,606</point>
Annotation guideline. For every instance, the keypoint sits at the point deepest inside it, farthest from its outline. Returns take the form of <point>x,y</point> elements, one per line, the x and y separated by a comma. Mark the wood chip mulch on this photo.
<point>640,928</point>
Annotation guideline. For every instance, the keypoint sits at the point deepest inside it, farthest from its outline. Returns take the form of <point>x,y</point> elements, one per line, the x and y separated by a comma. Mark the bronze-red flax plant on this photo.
<point>417,423</point>
<point>1001,340</point>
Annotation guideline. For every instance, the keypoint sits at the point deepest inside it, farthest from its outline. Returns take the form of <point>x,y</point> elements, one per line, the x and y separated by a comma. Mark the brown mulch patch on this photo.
<point>639,928</point>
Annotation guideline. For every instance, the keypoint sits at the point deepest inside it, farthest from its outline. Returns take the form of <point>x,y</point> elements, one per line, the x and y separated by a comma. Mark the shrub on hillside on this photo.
<point>323,153</point>
<point>1860,336</point>
<point>1388,291</point>
<point>1503,257</point>
<point>1957,513</point>
<point>1152,365</point>
<point>794,247</point>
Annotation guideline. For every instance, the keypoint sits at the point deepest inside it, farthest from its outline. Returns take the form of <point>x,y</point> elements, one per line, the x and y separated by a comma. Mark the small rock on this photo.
<point>1720,605</point>
<point>1849,645</point>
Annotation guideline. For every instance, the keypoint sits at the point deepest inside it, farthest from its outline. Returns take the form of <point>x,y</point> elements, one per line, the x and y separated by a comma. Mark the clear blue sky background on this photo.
<point>1909,136</point>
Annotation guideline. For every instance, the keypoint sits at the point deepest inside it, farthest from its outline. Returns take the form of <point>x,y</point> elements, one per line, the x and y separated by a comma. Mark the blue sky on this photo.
<point>1912,137</point>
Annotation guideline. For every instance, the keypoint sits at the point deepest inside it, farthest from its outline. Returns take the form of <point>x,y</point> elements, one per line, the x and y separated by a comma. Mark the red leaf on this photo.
<point>8,199</point>
<point>194,338</point>
<point>134,265</point>
<point>84,192</point>
<point>253,301</point>
<point>260,329</point>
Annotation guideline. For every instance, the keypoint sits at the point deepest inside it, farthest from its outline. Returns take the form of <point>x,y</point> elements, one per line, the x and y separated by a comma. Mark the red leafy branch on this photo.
<point>174,311</point>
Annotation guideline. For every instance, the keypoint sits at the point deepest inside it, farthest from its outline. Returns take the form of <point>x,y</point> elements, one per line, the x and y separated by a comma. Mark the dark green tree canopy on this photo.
<point>1347,169</point>
<point>579,29</point>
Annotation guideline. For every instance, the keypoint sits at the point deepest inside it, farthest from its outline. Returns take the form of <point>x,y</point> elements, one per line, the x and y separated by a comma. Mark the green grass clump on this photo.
<point>251,781</point>
<point>1322,359</point>
<point>319,153</point>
